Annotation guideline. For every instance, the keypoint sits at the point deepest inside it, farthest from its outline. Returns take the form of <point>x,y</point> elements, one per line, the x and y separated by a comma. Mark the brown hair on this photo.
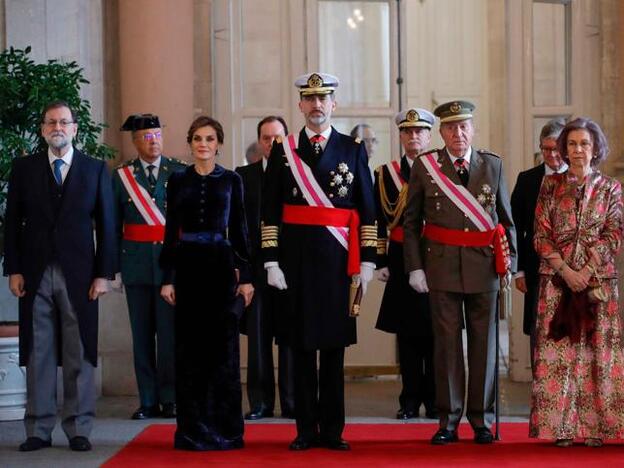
<point>57,104</point>
<point>205,121</point>
<point>269,119</point>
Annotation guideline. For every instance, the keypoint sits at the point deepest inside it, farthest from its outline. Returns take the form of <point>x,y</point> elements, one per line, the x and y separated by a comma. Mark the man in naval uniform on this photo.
<point>139,187</point>
<point>459,195</point>
<point>404,311</point>
<point>319,240</point>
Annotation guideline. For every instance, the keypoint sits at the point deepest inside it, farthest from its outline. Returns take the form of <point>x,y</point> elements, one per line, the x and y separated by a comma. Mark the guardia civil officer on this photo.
<point>139,187</point>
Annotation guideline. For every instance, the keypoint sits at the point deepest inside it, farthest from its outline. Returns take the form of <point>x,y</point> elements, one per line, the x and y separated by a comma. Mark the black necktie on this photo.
<point>462,170</point>
<point>150,176</point>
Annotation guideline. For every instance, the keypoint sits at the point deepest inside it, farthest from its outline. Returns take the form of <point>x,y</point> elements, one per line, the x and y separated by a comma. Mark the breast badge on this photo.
<point>341,179</point>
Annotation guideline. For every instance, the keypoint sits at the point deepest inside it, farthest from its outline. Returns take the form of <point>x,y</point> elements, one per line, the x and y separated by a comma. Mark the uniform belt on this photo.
<point>495,239</point>
<point>143,233</point>
<point>397,234</point>
<point>204,237</point>
<point>336,217</point>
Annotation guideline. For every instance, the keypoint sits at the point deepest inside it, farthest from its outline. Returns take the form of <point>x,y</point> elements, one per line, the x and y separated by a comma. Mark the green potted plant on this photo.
<point>25,88</point>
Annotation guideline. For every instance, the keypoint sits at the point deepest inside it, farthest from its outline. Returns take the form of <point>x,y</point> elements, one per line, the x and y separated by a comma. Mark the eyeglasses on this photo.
<point>549,149</point>
<point>152,136</point>
<point>53,123</point>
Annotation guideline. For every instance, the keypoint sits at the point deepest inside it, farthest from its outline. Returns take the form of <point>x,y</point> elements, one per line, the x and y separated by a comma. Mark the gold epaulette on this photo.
<point>279,139</point>
<point>358,140</point>
<point>382,244</point>
<point>269,235</point>
<point>425,153</point>
<point>368,235</point>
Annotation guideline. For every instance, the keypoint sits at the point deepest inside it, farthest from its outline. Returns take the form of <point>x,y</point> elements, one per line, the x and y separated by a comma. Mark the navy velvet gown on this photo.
<point>205,243</point>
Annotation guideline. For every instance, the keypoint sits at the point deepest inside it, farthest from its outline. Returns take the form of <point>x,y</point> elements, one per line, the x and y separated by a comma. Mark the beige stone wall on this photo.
<point>2,26</point>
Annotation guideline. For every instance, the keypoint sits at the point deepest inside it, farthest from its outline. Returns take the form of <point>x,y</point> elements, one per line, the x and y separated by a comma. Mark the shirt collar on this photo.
<point>466,156</point>
<point>265,163</point>
<point>156,163</point>
<point>409,160</point>
<point>325,133</point>
<point>549,171</point>
<point>67,157</point>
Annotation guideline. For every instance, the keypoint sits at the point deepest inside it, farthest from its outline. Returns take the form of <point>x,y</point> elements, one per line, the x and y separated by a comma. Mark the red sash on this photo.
<point>143,233</point>
<point>495,238</point>
<point>397,234</point>
<point>325,216</point>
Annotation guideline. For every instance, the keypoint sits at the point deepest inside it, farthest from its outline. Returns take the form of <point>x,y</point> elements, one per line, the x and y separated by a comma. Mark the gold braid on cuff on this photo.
<point>368,235</point>
<point>269,236</point>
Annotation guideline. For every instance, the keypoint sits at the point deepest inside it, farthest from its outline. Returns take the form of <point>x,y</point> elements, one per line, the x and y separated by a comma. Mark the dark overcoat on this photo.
<point>36,234</point>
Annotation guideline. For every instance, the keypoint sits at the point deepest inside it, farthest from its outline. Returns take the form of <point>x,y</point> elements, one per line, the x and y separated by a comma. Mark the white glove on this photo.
<point>276,278</point>
<point>366,274</point>
<point>506,280</point>
<point>418,281</point>
<point>383,274</point>
<point>117,284</point>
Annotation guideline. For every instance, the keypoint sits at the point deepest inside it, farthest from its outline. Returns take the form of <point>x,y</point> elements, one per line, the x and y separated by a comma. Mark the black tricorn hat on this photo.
<point>140,122</point>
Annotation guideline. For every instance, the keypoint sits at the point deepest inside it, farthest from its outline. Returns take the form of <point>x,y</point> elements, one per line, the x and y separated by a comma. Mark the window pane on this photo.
<point>380,130</point>
<point>551,68</point>
<point>260,62</point>
<point>354,45</point>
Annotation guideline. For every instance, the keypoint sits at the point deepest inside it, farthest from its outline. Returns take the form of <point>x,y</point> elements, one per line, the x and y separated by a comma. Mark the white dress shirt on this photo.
<point>156,164</point>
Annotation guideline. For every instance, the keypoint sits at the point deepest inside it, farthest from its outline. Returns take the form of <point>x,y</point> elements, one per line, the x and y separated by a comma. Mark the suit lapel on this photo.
<point>447,166</point>
<point>163,172</point>
<point>72,181</point>
<point>405,169</point>
<point>327,162</point>
<point>475,172</point>
<point>43,176</point>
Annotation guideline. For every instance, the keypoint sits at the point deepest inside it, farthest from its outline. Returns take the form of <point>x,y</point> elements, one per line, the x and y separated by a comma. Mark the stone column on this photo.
<point>156,67</point>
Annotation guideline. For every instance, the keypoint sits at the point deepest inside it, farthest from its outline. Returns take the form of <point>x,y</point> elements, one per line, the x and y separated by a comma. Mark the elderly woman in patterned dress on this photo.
<point>578,382</point>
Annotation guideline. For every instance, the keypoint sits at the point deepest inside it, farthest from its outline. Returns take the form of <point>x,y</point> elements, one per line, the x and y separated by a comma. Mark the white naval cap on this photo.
<point>316,83</point>
<point>414,117</point>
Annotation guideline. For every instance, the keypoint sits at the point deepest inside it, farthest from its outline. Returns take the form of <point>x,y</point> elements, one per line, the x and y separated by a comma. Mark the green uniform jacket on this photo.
<point>138,261</point>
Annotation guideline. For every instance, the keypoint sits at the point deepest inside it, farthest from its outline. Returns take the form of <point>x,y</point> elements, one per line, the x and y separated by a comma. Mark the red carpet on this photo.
<point>372,445</point>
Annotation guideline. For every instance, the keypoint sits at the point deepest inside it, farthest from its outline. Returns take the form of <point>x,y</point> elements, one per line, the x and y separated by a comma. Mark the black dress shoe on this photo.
<point>404,414</point>
<point>182,441</point>
<point>482,435</point>
<point>259,413</point>
<point>301,443</point>
<point>146,412</point>
<point>168,410</point>
<point>34,443</point>
<point>337,444</point>
<point>444,436</point>
<point>79,444</point>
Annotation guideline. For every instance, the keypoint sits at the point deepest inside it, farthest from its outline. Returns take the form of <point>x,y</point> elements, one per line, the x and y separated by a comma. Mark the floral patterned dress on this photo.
<point>578,388</point>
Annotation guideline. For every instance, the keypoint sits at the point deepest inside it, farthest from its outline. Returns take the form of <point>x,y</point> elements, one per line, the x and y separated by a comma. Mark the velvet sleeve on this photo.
<point>237,230</point>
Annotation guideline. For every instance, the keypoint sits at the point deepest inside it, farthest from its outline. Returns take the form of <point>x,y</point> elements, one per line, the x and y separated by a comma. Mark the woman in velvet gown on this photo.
<point>207,279</point>
<point>578,381</point>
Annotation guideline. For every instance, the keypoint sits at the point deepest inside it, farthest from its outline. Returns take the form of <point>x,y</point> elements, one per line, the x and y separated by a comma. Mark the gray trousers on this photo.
<point>54,318</point>
<point>447,309</point>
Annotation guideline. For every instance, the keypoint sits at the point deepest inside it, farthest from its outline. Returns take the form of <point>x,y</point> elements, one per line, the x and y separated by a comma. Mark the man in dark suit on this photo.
<point>459,243</point>
<point>259,321</point>
<point>523,202</point>
<point>140,228</point>
<point>317,186</point>
<point>58,269</point>
<point>404,311</point>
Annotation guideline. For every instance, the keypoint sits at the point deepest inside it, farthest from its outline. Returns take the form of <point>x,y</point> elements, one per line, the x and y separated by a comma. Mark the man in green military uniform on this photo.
<point>140,201</point>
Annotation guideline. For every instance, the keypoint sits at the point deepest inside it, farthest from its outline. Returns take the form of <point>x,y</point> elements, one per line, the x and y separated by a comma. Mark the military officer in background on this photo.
<point>139,188</point>
<point>318,238</point>
<point>459,195</point>
<point>404,311</point>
